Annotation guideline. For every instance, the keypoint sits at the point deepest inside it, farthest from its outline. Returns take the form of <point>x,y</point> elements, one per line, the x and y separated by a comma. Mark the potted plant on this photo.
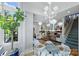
<point>10,22</point>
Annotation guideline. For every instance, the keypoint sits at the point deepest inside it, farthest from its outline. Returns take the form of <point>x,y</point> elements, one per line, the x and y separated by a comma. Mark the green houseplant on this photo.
<point>10,22</point>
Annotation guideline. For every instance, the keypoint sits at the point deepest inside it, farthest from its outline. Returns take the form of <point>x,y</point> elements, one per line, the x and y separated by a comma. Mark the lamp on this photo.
<point>50,13</point>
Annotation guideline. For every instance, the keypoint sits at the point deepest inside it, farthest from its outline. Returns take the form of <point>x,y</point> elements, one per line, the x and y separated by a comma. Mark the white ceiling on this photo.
<point>38,9</point>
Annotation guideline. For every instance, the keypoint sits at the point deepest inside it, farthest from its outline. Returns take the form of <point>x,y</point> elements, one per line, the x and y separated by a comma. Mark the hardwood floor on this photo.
<point>74,52</point>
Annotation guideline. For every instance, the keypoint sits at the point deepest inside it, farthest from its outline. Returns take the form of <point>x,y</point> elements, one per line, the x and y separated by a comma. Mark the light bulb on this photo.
<point>46,8</point>
<point>45,13</point>
<point>55,8</point>
<point>48,25</point>
<point>52,12</point>
<point>40,23</point>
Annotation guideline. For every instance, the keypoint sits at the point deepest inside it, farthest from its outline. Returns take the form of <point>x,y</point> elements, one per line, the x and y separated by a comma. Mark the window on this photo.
<point>10,8</point>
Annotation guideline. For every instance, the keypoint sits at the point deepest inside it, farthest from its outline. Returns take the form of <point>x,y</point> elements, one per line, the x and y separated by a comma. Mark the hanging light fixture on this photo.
<point>53,21</point>
<point>40,23</point>
<point>53,12</point>
<point>48,25</point>
<point>45,12</point>
<point>46,8</point>
<point>55,8</point>
<point>49,12</point>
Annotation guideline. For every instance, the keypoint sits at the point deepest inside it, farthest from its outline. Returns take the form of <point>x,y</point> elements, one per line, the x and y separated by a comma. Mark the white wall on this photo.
<point>21,35</point>
<point>29,31</point>
<point>26,33</point>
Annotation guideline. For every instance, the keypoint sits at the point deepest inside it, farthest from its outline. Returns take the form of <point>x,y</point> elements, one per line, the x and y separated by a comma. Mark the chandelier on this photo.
<point>50,12</point>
